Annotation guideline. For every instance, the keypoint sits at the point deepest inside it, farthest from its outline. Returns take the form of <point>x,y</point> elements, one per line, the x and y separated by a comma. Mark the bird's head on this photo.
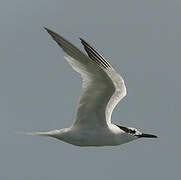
<point>135,133</point>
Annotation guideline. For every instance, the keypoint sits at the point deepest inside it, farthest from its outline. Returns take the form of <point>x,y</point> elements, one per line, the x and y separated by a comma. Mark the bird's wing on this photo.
<point>102,88</point>
<point>119,85</point>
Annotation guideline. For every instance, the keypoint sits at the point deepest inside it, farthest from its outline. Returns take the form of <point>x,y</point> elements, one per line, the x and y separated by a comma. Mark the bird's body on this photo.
<point>102,88</point>
<point>105,136</point>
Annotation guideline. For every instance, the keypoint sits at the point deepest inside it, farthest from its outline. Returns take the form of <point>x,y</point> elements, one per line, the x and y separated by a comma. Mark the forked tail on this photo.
<point>35,133</point>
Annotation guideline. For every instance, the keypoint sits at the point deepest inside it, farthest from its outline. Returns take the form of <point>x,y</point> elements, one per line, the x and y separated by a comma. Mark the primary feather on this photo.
<point>102,88</point>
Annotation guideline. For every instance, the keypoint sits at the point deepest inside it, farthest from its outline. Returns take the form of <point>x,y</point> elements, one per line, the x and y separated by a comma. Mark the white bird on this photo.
<point>102,88</point>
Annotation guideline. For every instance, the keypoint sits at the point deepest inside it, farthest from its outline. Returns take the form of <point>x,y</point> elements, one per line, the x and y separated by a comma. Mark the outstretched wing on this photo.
<point>120,88</point>
<point>102,88</point>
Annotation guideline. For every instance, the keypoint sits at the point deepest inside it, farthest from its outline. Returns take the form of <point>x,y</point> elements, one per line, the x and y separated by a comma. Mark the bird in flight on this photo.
<point>102,89</point>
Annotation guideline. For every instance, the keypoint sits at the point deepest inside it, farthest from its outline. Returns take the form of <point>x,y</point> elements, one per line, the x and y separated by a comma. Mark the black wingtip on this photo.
<point>81,39</point>
<point>45,28</point>
<point>48,30</point>
<point>51,33</point>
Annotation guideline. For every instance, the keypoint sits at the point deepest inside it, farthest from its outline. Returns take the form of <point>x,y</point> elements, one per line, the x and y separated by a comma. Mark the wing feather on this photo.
<point>102,88</point>
<point>120,88</point>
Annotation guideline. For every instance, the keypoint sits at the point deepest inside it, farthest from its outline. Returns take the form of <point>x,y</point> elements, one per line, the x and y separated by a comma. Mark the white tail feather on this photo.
<point>35,133</point>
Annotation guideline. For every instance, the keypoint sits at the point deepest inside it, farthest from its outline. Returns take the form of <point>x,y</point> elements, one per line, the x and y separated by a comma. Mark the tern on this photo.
<point>102,89</point>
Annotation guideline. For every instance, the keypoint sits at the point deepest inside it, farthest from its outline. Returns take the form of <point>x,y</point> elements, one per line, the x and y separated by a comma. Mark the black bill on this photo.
<point>147,136</point>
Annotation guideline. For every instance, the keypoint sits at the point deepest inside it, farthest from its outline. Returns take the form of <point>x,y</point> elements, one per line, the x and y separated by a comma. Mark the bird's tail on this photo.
<point>35,133</point>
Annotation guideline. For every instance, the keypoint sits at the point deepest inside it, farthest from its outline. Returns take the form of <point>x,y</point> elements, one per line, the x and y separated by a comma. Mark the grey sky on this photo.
<point>39,90</point>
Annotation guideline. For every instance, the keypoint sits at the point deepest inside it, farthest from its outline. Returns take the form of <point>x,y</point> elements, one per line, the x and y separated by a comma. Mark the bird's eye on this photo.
<point>132,131</point>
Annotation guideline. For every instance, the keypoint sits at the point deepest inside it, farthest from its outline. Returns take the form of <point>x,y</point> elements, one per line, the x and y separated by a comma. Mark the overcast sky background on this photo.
<point>39,90</point>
